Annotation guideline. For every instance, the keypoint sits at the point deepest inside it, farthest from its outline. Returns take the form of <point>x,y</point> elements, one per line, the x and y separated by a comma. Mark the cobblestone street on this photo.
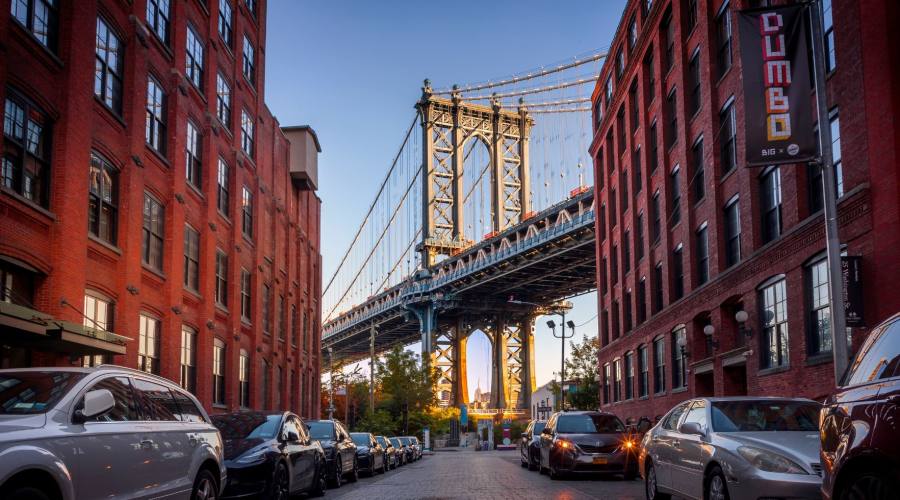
<point>482,475</point>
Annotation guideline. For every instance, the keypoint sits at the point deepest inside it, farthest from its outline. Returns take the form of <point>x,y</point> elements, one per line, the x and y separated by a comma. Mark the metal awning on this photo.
<point>84,340</point>
<point>16,317</point>
<point>25,327</point>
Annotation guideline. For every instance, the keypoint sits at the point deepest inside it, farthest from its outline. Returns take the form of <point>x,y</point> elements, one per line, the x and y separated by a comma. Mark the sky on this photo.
<point>353,70</point>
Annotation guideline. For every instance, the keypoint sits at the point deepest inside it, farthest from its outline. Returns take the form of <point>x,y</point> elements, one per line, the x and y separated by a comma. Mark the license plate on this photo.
<point>600,460</point>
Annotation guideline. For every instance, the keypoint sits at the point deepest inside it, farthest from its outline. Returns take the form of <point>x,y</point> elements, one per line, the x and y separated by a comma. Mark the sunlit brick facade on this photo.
<point>688,235</point>
<point>148,191</point>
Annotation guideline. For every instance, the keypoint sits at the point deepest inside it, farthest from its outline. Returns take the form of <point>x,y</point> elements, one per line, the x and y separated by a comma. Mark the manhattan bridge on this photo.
<point>483,221</point>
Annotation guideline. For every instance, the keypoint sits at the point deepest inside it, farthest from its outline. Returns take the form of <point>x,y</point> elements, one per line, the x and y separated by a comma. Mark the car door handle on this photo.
<point>675,443</point>
<point>894,399</point>
<point>147,444</point>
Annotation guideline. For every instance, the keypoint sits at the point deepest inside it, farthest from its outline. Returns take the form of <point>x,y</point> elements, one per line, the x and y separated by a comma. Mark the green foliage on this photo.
<point>380,423</point>
<point>581,368</point>
<point>403,384</point>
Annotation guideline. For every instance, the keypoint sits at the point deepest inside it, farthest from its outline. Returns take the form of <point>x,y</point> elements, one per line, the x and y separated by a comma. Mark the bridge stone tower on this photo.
<point>447,126</point>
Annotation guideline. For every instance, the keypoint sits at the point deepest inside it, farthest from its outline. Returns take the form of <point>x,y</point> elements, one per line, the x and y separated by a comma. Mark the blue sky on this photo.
<point>353,71</point>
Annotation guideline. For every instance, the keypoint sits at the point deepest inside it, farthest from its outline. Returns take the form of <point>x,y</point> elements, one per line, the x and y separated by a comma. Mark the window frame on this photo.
<point>723,36</point>
<point>702,240</point>
<point>153,232</point>
<point>50,39</point>
<point>104,203</point>
<point>780,357</point>
<point>110,94</point>
<point>248,57</point>
<point>158,19</point>
<point>219,363</point>
<point>223,101</point>
<point>247,212</point>
<point>156,123</point>
<point>191,262</point>
<point>226,23</point>
<point>770,206</point>
<point>188,373</point>
<point>194,61</point>
<point>23,149</point>
<point>193,155</point>
<point>149,345</point>
<point>732,233</point>
<point>221,278</point>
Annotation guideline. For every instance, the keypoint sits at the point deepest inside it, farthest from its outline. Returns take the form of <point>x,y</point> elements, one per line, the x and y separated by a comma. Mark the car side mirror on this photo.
<point>691,428</point>
<point>96,403</point>
<point>547,431</point>
<point>292,437</point>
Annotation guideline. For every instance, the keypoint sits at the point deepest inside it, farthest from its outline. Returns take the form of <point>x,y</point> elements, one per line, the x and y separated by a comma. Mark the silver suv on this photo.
<point>104,432</point>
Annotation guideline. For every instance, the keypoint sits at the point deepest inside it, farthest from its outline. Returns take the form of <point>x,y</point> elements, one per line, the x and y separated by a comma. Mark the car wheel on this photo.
<point>25,493</point>
<point>205,486</point>
<point>651,486</point>
<point>869,485</point>
<point>280,488</point>
<point>522,461</point>
<point>320,482</point>
<point>338,477</point>
<point>716,488</point>
<point>354,474</point>
<point>555,474</point>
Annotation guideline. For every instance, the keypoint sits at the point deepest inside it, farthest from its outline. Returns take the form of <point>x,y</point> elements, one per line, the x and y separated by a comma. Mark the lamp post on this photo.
<point>711,344</point>
<point>562,361</point>
<point>331,383</point>
<point>741,317</point>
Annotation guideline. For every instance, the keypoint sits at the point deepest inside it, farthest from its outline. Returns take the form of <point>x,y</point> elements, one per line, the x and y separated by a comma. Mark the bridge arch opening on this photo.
<point>476,195</point>
<point>478,366</point>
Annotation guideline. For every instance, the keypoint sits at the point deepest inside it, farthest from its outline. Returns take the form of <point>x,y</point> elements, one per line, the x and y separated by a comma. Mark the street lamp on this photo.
<point>562,361</point>
<point>741,317</point>
<point>331,383</point>
<point>711,343</point>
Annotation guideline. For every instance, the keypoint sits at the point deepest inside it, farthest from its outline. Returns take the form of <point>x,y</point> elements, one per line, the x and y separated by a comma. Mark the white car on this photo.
<point>104,432</point>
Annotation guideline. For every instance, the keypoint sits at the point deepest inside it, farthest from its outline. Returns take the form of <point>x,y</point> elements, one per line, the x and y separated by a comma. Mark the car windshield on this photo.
<point>321,430</point>
<point>404,441</point>
<point>360,438</point>
<point>764,416</point>
<point>247,425</point>
<point>538,427</point>
<point>396,442</point>
<point>382,441</point>
<point>30,392</point>
<point>589,424</point>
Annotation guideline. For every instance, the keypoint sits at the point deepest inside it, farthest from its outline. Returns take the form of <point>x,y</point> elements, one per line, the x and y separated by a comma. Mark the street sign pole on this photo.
<point>832,245</point>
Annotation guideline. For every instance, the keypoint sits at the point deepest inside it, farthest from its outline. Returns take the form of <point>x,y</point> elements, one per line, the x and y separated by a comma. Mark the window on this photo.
<point>280,313</point>
<point>639,238</point>
<point>638,175</point>
<point>293,325</point>
<point>672,111</point>
<point>305,331</point>
<point>152,233</point>
<point>620,126</point>
<point>654,148</point>
<point>244,379</point>
<point>694,83</point>
<point>247,136</point>
<point>38,17</point>
<point>642,300</point>
<point>191,258</point>
<point>814,172</point>
<point>194,60</point>
<point>617,380</point>
<point>678,272</point>
<point>603,277</point>
<point>602,220</point>
<point>643,372</point>
<point>671,421</point>
<point>245,295</point>
<point>109,67</point>
<point>723,40</point>
<point>98,312</point>
<point>607,377</point>
<point>265,384</point>
<point>819,313</point>
<point>221,278</point>
<point>193,152</point>
<point>629,375</point>
<point>249,61</point>
<point>626,252</point>
<point>601,176</point>
<point>188,379</point>
<point>679,358</point>
<point>775,327</point>
<point>668,25</point>
<point>266,318</point>
<point>697,414</point>
<point>691,20</point>
<point>727,139</point>
<point>614,264</point>
<point>632,32</point>
<point>770,190</point>
<point>158,19</point>
<point>613,219</point>
<point>609,90</point>
<point>598,112</point>
<point>222,198</point>
<point>251,6</point>
<point>629,323</point>
<point>732,232</point>
<point>828,24</point>
<point>878,358</point>
<point>620,64</point>
<point>616,332</point>
<point>103,199</point>
<point>247,213</point>
<point>156,116</point>
<point>698,179</point>
<point>276,394</point>
<point>223,100</point>
<point>226,20</point>
<point>675,216</point>
<point>148,344</point>
<point>125,408</point>
<point>659,366</point>
<point>218,378</point>
<point>655,228</point>
<point>25,164</point>
<point>604,323</point>
<point>650,90</point>
<point>623,189</point>
<point>188,410</point>
<point>657,287</point>
<point>702,254</point>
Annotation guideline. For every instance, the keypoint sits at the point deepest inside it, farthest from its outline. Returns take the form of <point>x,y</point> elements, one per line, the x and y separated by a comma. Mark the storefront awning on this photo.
<point>25,327</point>
<point>83,340</point>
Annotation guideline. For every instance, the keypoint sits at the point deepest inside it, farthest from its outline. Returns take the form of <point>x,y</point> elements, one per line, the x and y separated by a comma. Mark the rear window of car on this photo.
<point>879,357</point>
<point>32,392</point>
<point>247,425</point>
<point>321,430</point>
<point>382,441</point>
<point>765,416</point>
<point>396,442</point>
<point>538,427</point>
<point>360,439</point>
<point>589,424</point>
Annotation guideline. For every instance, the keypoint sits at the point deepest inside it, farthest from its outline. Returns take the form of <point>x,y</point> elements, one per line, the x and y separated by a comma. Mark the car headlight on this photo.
<point>768,461</point>
<point>255,456</point>
<point>564,444</point>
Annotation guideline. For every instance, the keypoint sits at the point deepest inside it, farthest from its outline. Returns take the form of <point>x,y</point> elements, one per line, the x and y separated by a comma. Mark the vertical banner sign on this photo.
<point>851,272</point>
<point>777,108</point>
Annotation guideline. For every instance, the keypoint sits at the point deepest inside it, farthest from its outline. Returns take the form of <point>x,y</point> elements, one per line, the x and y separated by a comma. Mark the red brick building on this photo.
<point>153,213</point>
<point>688,236</point>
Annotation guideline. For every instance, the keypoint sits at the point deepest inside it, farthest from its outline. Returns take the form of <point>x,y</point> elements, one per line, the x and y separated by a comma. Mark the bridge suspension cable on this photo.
<point>579,100</point>
<point>536,90</point>
<point>562,110</point>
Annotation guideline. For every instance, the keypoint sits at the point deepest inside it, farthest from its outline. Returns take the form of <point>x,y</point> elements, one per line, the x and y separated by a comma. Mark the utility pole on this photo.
<point>833,244</point>
<point>331,384</point>
<point>562,360</point>
<point>372,369</point>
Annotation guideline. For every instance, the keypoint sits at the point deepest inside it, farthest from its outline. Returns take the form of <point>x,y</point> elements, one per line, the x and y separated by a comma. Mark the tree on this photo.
<point>403,384</point>
<point>581,368</point>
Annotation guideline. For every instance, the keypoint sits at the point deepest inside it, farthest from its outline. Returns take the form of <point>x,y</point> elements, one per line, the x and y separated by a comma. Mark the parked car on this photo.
<point>391,458</point>
<point>104,432</point>
<point>416,446</point>
<point>586,441</point>
<point>399,449</point>
<point>737,448</point>
<point>861,422</point>
<point>530,444</point>
<point>270,455</point>
<point>340,452</point>
<point>369,454</point>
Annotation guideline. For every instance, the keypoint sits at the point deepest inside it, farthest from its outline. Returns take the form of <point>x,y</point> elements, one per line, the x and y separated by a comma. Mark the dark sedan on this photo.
<point>369,454</point>
<point>340,452</point>
<point>530,444</point>
<point>399,449</point>
<point>391,457</point>
<point>587,441</point>
<point>270,455</point>
<point>408,449</point>
<point>860,423</point>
